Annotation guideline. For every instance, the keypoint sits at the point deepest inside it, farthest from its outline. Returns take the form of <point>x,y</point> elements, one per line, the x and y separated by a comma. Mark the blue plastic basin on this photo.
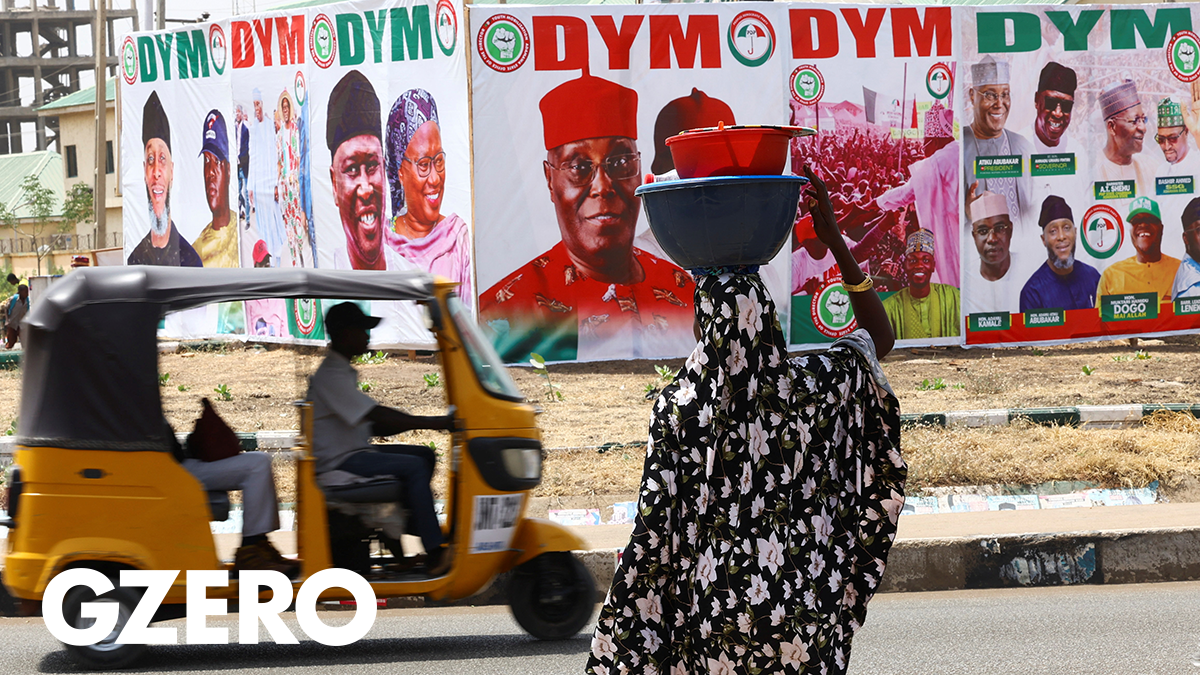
<point>726,220</point>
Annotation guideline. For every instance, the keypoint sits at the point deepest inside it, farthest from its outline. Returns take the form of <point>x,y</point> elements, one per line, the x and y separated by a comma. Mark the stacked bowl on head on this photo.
<point>731,206</point>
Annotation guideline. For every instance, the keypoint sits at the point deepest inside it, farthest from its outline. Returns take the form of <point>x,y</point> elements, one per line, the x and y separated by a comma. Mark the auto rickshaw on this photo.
<point>94,483</point>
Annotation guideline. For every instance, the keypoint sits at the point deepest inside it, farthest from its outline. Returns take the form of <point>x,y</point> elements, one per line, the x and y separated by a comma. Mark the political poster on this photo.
<point>878,85</point>
<point>1080,163</point>
<point>333,137</point>
<point>571,108</point>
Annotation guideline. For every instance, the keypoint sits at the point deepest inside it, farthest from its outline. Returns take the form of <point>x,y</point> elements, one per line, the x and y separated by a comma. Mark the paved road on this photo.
<point>1096,629</point>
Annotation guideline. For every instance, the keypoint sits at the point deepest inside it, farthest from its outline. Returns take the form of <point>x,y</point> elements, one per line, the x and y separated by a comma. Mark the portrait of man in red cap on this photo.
<point>594,295</point>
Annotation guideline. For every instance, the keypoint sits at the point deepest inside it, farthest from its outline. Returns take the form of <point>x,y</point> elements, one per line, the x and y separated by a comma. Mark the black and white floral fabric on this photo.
<point>768,503</point>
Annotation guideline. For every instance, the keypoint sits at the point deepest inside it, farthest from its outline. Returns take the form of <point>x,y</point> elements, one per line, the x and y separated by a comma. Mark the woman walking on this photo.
<point>770,493</point>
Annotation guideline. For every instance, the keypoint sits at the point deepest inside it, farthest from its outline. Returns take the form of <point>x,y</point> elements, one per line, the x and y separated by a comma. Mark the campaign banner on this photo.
<point>1080,163</point>
<point>329,137</point>
<point>571,108</point>
<point>878,84</point>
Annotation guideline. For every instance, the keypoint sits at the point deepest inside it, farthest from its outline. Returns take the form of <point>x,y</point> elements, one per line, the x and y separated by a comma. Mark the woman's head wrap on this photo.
<point>414,108</point>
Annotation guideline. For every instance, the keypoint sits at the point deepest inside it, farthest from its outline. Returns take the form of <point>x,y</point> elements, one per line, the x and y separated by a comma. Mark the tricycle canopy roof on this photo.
<point>91,352</point>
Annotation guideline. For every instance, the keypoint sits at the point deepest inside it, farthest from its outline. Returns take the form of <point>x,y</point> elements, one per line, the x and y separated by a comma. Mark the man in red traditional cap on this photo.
<point>593,295</point>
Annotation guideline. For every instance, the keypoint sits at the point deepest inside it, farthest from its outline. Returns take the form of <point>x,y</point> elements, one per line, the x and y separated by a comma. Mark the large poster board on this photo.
<point>1082,139</point>
<point>878,84</point>
<point>331,137</point>
<point>568,268</point>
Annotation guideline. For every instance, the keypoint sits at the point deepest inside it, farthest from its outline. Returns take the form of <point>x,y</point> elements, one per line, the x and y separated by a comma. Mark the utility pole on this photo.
<point>160,21</point>
<point>100,192</point>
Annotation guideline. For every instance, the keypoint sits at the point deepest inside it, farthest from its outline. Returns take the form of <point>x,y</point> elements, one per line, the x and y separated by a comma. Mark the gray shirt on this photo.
<point>340,425</point>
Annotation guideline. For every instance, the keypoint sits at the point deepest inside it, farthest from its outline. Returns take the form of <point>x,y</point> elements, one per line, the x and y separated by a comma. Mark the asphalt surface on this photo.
<point>1134,628</point>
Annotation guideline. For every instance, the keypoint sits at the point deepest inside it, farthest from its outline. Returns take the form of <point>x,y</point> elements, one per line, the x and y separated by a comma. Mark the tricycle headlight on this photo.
<point>523,462</point>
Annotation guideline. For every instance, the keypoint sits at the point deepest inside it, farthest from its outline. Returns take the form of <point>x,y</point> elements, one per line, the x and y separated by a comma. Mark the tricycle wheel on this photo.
<point>552,596</point>
<point>105,654</point>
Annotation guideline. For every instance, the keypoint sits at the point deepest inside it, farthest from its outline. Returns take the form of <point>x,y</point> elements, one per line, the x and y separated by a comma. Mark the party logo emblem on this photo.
<point>300,88</point>
<point>939,80</point>
<point>217,47</point>
<point>447,27</point>
<point>306,311</point>
<point>503,43</point>
<point>322,41</point>
<point>129,61</point>
<point>831,311</point>
<point>1102,231</point>
<point>807,84</point>
<point>1183,56</point>
<point>751,38</point>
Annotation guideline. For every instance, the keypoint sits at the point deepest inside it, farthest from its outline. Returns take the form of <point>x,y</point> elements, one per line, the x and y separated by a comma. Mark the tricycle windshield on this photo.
<point>487,364</point>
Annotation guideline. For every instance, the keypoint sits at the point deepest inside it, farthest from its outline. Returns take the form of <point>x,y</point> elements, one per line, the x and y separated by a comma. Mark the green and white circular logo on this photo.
<point>751,38</point>
<point>939,80</point>
<point>446,21</point>
<point>831,311</point>
<point>807,84</point>
<point>503,43</point>
<point>322,41</point>
<point>1102,231</point>
<point>129,61</point>
<point>218,50</point>
<point>1183,56</point>
<point>306,312</point>
<point>300,88</point>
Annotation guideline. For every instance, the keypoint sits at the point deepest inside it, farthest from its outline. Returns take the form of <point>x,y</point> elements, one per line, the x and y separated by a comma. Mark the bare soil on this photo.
<point>597,431</point>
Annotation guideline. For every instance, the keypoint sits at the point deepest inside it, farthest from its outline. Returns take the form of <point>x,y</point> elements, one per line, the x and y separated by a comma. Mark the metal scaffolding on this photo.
<point>44,46</point>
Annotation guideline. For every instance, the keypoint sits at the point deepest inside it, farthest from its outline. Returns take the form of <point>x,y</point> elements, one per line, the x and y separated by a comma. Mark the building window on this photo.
<point>108,157</point>
<point>72,162</point>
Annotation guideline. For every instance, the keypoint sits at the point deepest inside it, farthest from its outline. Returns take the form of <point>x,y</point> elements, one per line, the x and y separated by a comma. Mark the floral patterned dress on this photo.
<point>768,503</point>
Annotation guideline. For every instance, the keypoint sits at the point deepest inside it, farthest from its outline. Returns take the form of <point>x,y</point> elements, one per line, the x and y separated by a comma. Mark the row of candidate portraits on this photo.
<point>996,207</point>
<point>1063,282</point>
<point>273,225</point>
<point>1123,157</point>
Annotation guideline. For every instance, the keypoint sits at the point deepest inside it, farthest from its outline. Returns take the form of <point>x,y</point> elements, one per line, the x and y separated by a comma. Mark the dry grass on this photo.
<point>605,403</point>
<point>1167,449</point>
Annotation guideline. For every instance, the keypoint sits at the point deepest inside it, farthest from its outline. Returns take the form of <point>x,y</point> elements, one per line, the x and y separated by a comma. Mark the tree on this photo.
<point>78,207</point>
<point>39,201</point>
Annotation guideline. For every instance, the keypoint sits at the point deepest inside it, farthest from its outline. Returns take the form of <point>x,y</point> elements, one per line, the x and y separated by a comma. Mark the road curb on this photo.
<point>1069,558</point>
<point>1083,416</point>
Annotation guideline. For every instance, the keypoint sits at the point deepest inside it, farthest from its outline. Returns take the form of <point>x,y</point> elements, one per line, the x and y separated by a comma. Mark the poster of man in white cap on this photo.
<point>994,157</point>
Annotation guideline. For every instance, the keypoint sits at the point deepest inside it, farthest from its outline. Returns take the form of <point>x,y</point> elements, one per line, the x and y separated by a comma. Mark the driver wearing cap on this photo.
<point>594,295</point>
<point>345,419</point>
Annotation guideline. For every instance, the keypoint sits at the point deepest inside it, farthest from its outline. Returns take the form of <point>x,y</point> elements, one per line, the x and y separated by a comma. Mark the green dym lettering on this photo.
<point>193,54</point>
<point>1154,32</point>
<point>351,47</point>
<point>417,33</point>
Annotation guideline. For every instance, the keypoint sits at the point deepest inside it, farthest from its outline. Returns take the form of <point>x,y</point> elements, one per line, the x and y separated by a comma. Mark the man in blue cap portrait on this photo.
<point>217,243</point>
<point>162,245</point>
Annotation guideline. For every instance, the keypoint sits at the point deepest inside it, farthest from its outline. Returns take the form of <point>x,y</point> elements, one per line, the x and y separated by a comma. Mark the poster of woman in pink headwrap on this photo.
<point>416,170</point>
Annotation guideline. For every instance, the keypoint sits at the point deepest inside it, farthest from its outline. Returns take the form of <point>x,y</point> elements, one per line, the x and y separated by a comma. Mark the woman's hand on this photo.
<point>823,218</point>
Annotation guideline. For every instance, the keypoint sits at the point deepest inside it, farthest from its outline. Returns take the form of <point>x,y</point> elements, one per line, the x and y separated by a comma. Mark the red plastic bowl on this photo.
<point>732,151</point>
